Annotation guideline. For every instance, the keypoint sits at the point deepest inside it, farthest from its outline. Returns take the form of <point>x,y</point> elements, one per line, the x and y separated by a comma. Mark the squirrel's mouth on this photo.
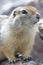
<point>35,22</point>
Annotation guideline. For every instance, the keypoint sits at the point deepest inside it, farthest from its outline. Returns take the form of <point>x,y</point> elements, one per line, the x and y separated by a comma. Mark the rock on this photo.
<point>20,63</point>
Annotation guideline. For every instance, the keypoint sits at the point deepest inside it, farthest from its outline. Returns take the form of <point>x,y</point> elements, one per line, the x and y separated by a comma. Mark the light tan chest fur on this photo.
<point>19,42</point>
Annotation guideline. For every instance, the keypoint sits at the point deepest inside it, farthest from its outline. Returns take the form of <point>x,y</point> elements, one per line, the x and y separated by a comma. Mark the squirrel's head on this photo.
<point>25,15</point>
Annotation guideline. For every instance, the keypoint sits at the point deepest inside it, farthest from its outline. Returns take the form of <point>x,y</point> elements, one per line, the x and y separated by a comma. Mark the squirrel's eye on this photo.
<point>24,12</point>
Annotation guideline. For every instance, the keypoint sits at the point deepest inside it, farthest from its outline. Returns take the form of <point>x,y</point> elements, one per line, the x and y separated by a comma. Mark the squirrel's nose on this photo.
<point>38,16</point>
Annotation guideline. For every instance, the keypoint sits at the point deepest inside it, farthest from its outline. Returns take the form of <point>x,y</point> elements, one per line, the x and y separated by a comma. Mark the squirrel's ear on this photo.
<point>14,13</point>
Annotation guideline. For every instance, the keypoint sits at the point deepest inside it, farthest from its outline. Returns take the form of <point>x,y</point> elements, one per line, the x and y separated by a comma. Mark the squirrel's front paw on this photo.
<point>14,61</point>
<point>27,59</point>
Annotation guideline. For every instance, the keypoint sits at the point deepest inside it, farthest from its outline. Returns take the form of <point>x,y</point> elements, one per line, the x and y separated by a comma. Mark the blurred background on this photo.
<point>6,6</point>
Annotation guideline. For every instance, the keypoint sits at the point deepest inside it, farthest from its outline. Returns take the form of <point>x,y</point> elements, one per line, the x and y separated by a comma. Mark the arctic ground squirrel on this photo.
<point>18,32</point>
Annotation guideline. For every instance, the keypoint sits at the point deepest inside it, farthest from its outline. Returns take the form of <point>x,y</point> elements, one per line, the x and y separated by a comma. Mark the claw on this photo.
<point>12,62</point>
<point>27,59</point>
